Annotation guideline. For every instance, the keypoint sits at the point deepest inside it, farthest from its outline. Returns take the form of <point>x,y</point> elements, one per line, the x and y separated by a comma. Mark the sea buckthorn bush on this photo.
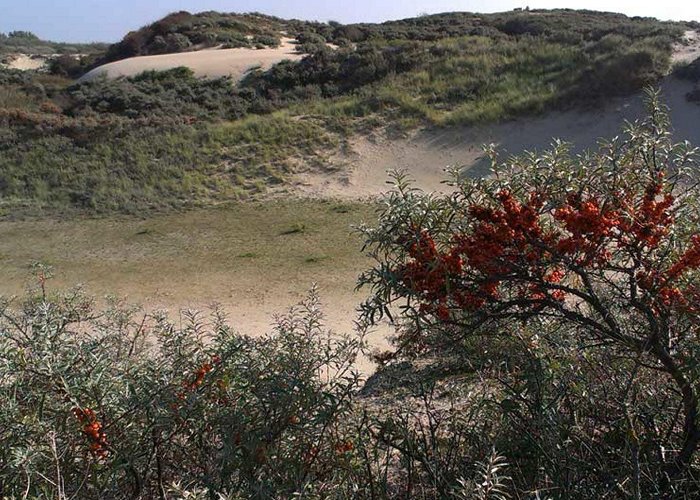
<point>116,404</point>
<point>569,285</point>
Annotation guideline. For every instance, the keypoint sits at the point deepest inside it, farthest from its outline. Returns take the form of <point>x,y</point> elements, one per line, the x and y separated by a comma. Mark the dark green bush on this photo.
<point>67,66</point>
<point>690,71</point>
<point>178,31</point>
<point>175,92</point>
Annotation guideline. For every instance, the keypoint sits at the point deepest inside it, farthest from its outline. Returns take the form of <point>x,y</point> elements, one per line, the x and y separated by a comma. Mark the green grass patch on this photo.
<point>226,254</point>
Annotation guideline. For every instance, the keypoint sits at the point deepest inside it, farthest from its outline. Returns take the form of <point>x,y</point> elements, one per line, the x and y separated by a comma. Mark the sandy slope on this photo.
<point>425,154</point>
<point>205,63</point>
<point>25,62</point>
<point>687,51</point>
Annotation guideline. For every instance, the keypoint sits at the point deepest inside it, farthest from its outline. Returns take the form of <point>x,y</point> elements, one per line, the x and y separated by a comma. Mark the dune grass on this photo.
<point>152,168</point>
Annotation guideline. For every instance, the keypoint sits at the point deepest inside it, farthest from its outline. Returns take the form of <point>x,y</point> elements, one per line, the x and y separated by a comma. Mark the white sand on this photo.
<point>687,51</point>
<point>25,62</point>
<point>425,154</point>
<point>210,63</point>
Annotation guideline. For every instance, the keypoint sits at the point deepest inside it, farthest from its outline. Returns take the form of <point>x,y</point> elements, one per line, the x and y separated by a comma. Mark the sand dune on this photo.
<point>425,154</point>
<point>210,63</point>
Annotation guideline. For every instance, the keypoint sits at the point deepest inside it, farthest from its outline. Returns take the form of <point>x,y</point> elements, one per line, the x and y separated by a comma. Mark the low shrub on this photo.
<point>118,404</point>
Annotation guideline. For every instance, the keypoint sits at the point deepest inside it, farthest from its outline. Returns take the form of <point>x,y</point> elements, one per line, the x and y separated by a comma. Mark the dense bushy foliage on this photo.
<point>450,69</point>
<point>181,31</point>
<point>558,25</point>
<point>114,404</point>
<point>171,93</point>
<point>331,73</point>
<point>28,43</point>
<point>571,285</point>
<point>470,79</point>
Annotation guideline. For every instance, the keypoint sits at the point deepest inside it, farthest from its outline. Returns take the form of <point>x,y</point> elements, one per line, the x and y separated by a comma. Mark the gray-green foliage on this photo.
<point>181,402</point>
<point>28,43</point>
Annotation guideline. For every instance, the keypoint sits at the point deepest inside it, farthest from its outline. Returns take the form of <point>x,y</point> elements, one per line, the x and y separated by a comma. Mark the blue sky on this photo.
<point>109,20</point>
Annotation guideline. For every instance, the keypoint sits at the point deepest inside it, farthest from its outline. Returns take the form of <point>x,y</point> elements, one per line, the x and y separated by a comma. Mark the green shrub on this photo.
<point>176,92</point>
<point>178,31</point>
<point>690,71</point>
<point>569,293</point>
<point>66,65</point>
<point>191,403</point>
<point>28,43</point>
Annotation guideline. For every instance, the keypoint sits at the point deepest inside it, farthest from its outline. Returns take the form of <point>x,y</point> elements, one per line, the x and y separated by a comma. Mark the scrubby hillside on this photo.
<point>182,31</point>
<point>162,140</point>
<point>24,50</point>
<point>25,42</point>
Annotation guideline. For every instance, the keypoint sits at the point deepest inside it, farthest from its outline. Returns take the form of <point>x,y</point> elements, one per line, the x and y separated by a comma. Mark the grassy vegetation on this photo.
<point>242,256</point>
<point>163,140</point>
<point>112,168</point>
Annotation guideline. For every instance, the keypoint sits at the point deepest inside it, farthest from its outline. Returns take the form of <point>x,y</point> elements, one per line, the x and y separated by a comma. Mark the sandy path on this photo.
<point>687,51</point>
<point>210,63</point>
<point>425,154</point>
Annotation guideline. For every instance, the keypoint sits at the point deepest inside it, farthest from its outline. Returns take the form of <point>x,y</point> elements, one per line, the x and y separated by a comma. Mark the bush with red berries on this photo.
<point>572,283</point>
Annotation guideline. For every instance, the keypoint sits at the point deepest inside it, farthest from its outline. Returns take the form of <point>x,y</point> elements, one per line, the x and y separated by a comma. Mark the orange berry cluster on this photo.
<point>530,243</point>
<point>469,273</point>
<point>648,222</point>
<point>589,226</point>
<point>344,447</point>
<point>92,428</point>
<point>667,292</point>
<point>199,376</point>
